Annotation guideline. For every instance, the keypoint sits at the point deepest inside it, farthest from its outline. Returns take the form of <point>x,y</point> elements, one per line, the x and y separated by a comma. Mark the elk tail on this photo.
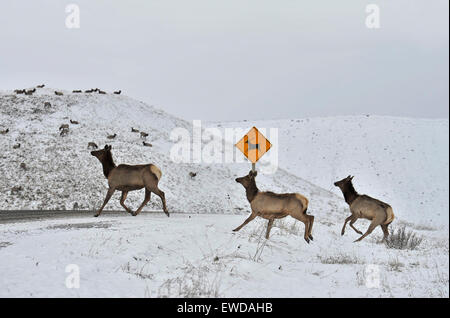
<point>389,215</point>
<point>303,200</point>
<point>156,171</point>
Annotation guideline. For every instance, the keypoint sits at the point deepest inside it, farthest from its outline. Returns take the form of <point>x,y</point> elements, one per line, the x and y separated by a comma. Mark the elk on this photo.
<point>92,145</point>
<point>4,132</point>
<point>74,122</point>
<point>270,206</point>
<point>134,130</point>
<point>41,86</point>
<point>19,91</point>
<point>29,92</point>
<point>64,132</point>
<point>58,93</point>
<point>76,91</point>
<point>365,207</point>
<point>127,178</point>
<point>47,104</point>
<point>117,92</point>
<point>144,135</point>
<point>147,144</point>
<point>101,92</point>
<point>16,146</point>
<point>111,136</point>
<point>64,126</point>
<point>89,91</point>
<point>192,174</point>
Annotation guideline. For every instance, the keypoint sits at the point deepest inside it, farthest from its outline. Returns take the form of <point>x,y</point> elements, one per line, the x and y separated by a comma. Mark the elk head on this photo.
<point>247,180</point>
<point>342,183</point>
<point>102,154</point>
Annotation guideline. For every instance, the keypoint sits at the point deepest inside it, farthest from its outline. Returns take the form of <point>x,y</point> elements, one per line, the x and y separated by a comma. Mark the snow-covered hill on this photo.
<point>402,161</point>
<point>60,173</point>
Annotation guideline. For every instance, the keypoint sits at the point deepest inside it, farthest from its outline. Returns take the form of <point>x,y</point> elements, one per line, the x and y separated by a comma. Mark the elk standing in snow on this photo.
<point>16,146</point>
<point>270,206</point>
<point>4,132</point>
<point>118,92</point>
<point>363,206</point>
<point>134,130</point>
<point>101,92</point>
<point>64,126</point>
<point>144,135</point>
<point>111,136</point>
<point>147,144</point>
<point>41,86</point>
<point>58,93</point>
<point>19,91</point>
<point>127,178</point>
<point>76,91</point>
<point>92,145</point>
<point>74,122</point>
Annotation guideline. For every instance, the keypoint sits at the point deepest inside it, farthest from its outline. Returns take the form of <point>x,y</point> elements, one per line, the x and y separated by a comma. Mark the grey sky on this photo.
<point>237,59</point>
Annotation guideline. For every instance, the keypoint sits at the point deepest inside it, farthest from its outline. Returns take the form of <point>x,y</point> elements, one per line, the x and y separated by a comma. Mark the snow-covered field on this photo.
<point>198,255</point>
<point>194,253</point>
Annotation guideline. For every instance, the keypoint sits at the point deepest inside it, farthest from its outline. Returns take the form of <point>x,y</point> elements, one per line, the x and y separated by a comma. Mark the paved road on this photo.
<point>36,215</point>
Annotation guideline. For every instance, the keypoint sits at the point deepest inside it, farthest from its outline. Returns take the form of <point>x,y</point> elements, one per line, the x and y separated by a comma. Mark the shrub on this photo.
<point>402,239</point>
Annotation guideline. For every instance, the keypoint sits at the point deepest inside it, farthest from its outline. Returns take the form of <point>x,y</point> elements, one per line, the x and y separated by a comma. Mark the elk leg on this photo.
<point>122,202</point>
<point>269,227</point>
<point>372,226</point>
<point>384,227</point>
<point>163,199</point>
<point>108,196</point>
<point>306,220</point>
<point>251,217</point>
<point>146,199</point>
<point>311,221</point>
<point>345,223</point>
<point>354,219</point>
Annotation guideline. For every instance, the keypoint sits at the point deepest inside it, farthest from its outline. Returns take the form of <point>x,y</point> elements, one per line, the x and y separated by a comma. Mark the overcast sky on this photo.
<point>237,59</point>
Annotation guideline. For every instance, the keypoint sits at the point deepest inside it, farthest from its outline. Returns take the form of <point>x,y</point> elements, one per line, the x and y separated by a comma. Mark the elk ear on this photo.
<point>351,178</point>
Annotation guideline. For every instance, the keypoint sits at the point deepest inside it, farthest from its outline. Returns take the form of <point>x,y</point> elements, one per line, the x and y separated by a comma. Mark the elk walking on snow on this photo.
<point>127,178</point>
<point>117,92</point>
<point>270,206</point>
<point>4,132</point>
<point>134,130</point>
<point>64,126</point>
<point>74,122</point>
<point>92,145</point>
<point>363,206</point>
<point>58,93</point>
<point>147,144</point>
<point>144,135</point>
<point>41,86</point>
<point>111,136</point>
<point>76,91</point>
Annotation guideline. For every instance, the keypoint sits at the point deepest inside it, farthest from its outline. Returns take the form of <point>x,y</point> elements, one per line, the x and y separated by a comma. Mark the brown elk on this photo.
<point>144,135</point>
<point>147,144</point>
<point>101,92</point>
<point>117,92</point>
<point>270,206</point>
<point>4,132</point>
<point>134,130</point>
<point>58,93</point>
<point>16,146</point>
<point>89,90</point>
<point>76,91</point>
<point>127,178</point>
<point>74,122</point>
<point>92,145</point>
<point>365,207</point>
<point>47,104</point>
<point>64,126</point>
<point>41,86</point>
<point>111,136</point>
<point>29,92</point>
<point>19,91</point>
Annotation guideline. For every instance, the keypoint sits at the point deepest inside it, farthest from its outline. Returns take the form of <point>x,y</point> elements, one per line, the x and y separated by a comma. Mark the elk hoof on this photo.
<point>307,240</point>
<point>311,238</point>
<point>167,213</point>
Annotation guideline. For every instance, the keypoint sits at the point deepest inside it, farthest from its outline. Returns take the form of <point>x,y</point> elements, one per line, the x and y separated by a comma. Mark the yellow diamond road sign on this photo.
<point>253,145</point>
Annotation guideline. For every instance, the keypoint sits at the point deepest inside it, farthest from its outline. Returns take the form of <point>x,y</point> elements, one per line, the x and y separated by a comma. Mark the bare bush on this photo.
<point>195,283</point>
<point>339,259</point>
<point>402,239</point>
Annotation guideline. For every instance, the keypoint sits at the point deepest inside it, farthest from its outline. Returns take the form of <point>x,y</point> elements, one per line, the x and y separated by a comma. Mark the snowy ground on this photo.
<point>198,255</point>
<point>195,253</point>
